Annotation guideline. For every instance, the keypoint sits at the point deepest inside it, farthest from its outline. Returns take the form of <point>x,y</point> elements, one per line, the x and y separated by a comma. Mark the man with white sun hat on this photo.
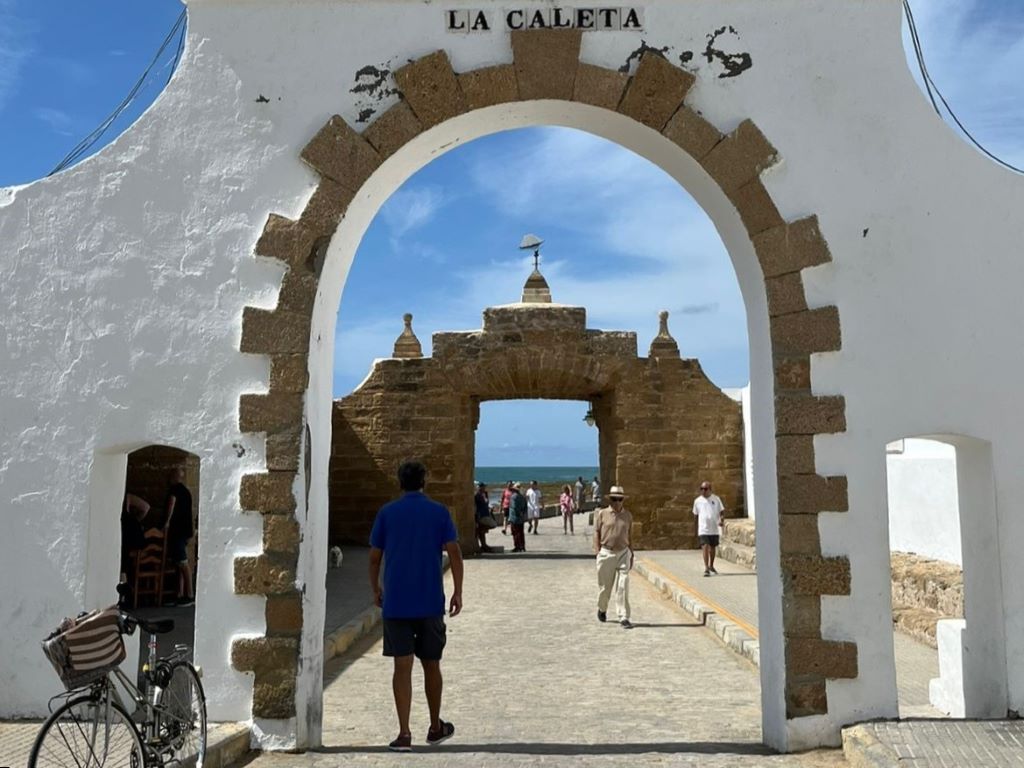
<point>614,550</point>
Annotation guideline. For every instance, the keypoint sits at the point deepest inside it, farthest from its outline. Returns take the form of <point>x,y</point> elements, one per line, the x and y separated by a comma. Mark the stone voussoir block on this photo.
<point>791,247</point>
<point>545,62</point>
<point>809,415</point>
<point>488,86</point>
<point>801,616</point>
<point>814,575</point>
<point>273,697</point>
<point>798,535</point>
<point>430,86</point>
<point>794,454</point>
<point>816,658</point>
<point>266,574</point>
<point>598,86</point>
<point>806,332</point>
<point>325,208</point>
<point>283,615</point>
<point>655,91</point>
<point>692,133</point>
<point>785,294</point>
<point>281,534</point>
<point>252,654</point>
<point>274,331</point>
<point>269,412</point>
<point>805,699</point>
<point>284,448</point>
<point>792,373</point>
<point>341,154</point>
<point>740,157</point>
<point>289,373</point>
<point>756,207</point>
<point>269,492</point>
<point>286,240</point>
<point>392,130</point>
<point>810,494</point>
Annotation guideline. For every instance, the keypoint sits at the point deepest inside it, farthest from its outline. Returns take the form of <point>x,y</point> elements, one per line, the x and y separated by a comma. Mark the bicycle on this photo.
<point>92,728</point>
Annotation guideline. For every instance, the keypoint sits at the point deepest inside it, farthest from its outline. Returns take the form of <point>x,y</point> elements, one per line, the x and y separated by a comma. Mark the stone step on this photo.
<point>739,530</point>
<point>738,553</point>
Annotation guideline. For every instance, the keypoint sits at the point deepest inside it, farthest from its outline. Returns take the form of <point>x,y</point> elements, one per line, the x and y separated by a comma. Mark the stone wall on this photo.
<point>663,425</point>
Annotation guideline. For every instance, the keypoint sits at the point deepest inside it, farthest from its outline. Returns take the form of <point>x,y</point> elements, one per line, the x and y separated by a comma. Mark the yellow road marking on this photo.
<point>715,607</point>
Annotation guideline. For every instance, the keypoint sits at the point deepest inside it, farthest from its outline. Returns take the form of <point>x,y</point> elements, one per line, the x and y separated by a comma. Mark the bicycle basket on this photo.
<point>83,650</point>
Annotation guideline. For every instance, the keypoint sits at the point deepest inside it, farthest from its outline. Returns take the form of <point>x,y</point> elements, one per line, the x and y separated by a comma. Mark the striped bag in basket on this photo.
<point>83,650</point>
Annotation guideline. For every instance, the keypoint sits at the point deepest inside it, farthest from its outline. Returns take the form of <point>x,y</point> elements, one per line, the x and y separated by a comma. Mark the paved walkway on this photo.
<point>735,590</point>
<point>533,679</point>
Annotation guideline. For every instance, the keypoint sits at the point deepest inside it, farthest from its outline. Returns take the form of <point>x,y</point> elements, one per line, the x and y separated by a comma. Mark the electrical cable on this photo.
<point>930,86</point>
<point>83,147</point>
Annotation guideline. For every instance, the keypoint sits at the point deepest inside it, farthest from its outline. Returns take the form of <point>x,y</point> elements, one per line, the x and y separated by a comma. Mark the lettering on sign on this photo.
<point>588,19</point>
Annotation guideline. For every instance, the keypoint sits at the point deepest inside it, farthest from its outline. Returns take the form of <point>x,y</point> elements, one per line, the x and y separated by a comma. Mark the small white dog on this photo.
<point>335,556</point>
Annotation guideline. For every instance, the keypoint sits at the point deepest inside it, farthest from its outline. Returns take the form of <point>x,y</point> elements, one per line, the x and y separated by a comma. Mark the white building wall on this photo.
<point>924,517</point>
<point>124,280</point>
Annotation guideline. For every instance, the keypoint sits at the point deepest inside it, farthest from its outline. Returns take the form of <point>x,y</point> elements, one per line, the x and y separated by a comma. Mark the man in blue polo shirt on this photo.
<point>411,532</point>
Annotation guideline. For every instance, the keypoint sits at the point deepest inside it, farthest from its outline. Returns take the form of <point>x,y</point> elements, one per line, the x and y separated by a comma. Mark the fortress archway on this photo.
<point>547,84</point>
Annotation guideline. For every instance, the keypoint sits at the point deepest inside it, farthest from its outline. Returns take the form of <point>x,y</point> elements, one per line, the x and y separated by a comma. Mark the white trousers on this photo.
<point>613,575</point>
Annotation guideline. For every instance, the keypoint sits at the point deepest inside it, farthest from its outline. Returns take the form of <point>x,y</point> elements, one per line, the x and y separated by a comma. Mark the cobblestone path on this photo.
<point>533,679</point>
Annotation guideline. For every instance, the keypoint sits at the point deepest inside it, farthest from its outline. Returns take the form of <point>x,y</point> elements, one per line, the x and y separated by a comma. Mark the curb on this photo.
<point>862,749</point>
<point>226,744</point>
<point>341,639</point>
<point>729,632</point>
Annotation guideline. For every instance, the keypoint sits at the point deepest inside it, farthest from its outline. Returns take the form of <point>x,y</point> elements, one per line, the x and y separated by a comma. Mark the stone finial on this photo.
<point>407,345</point>
<point>663,345</point>
<point>536,290</point>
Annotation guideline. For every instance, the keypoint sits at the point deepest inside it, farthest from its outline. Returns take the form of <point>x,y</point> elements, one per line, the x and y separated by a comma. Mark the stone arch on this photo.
<point>547,67</point>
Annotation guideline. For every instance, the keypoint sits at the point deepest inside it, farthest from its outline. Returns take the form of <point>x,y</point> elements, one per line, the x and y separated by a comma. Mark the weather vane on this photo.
<point>532,242</point>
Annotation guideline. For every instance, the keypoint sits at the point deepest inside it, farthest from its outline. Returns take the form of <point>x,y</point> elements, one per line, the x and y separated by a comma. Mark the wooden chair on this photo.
<point>151,572</point>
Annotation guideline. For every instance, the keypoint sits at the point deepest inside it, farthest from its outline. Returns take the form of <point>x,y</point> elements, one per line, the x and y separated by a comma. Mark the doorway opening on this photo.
<point>945,577</point>
<point>160,552</point>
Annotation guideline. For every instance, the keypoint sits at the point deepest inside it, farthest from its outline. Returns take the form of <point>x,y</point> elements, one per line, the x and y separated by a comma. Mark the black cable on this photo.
<point>89,141</point>
<point>930,85</point>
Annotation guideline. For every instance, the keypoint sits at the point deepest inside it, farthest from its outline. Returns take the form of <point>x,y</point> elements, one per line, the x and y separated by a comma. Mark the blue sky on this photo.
<point>445,244</point>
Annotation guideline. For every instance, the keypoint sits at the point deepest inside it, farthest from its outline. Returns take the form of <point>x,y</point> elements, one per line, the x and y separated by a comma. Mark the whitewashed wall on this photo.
<point>124,281</point>
<point>924,517</point>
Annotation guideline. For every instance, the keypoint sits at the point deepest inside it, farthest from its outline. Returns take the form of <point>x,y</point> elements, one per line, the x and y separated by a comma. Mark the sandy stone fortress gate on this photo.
<point>181,288</point>
<point>663,426</point>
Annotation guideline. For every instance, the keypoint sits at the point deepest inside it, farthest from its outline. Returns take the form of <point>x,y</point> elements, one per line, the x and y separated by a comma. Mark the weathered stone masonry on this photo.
<point>546,66</point>
<point>663,425</point>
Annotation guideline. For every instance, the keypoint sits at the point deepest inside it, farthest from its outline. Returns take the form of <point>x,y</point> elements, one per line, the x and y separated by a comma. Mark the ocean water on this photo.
<point>499,475</point>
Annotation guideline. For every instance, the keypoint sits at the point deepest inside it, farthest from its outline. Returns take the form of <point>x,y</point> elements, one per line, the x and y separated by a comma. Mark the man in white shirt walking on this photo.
<point>708,510</point>
<point>534,504</point>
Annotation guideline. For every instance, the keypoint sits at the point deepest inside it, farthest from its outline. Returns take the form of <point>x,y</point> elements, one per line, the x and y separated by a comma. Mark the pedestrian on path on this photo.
<point>579,493</point>
<point>411,532</point>
<point>567,506</point>
<point>534,505</point>
<point>708,510</point>
<point>595,491</point>
<point>517,518</point>
<point>482,515</point>
<point>506,498</point>
<point>613,546</point>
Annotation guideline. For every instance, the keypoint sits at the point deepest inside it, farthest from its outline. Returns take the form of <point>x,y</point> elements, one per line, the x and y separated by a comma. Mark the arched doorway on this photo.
<point>647,113</point>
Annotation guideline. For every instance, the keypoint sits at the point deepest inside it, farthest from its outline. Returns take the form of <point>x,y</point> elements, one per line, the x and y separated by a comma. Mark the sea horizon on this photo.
<point>497,475</point>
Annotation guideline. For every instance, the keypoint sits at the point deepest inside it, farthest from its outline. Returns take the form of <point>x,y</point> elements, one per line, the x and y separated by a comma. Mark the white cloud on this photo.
<point>14,49</point>
<point>57,120</point>
<point>410,208</point>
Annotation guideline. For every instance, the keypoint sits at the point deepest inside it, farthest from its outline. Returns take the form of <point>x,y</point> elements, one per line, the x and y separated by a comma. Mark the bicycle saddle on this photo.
<point>156,626</point>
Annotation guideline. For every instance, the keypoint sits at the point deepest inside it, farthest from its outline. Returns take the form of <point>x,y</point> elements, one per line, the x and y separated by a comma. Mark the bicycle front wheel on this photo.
<point>182,717</point>
<point>89,733</point>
